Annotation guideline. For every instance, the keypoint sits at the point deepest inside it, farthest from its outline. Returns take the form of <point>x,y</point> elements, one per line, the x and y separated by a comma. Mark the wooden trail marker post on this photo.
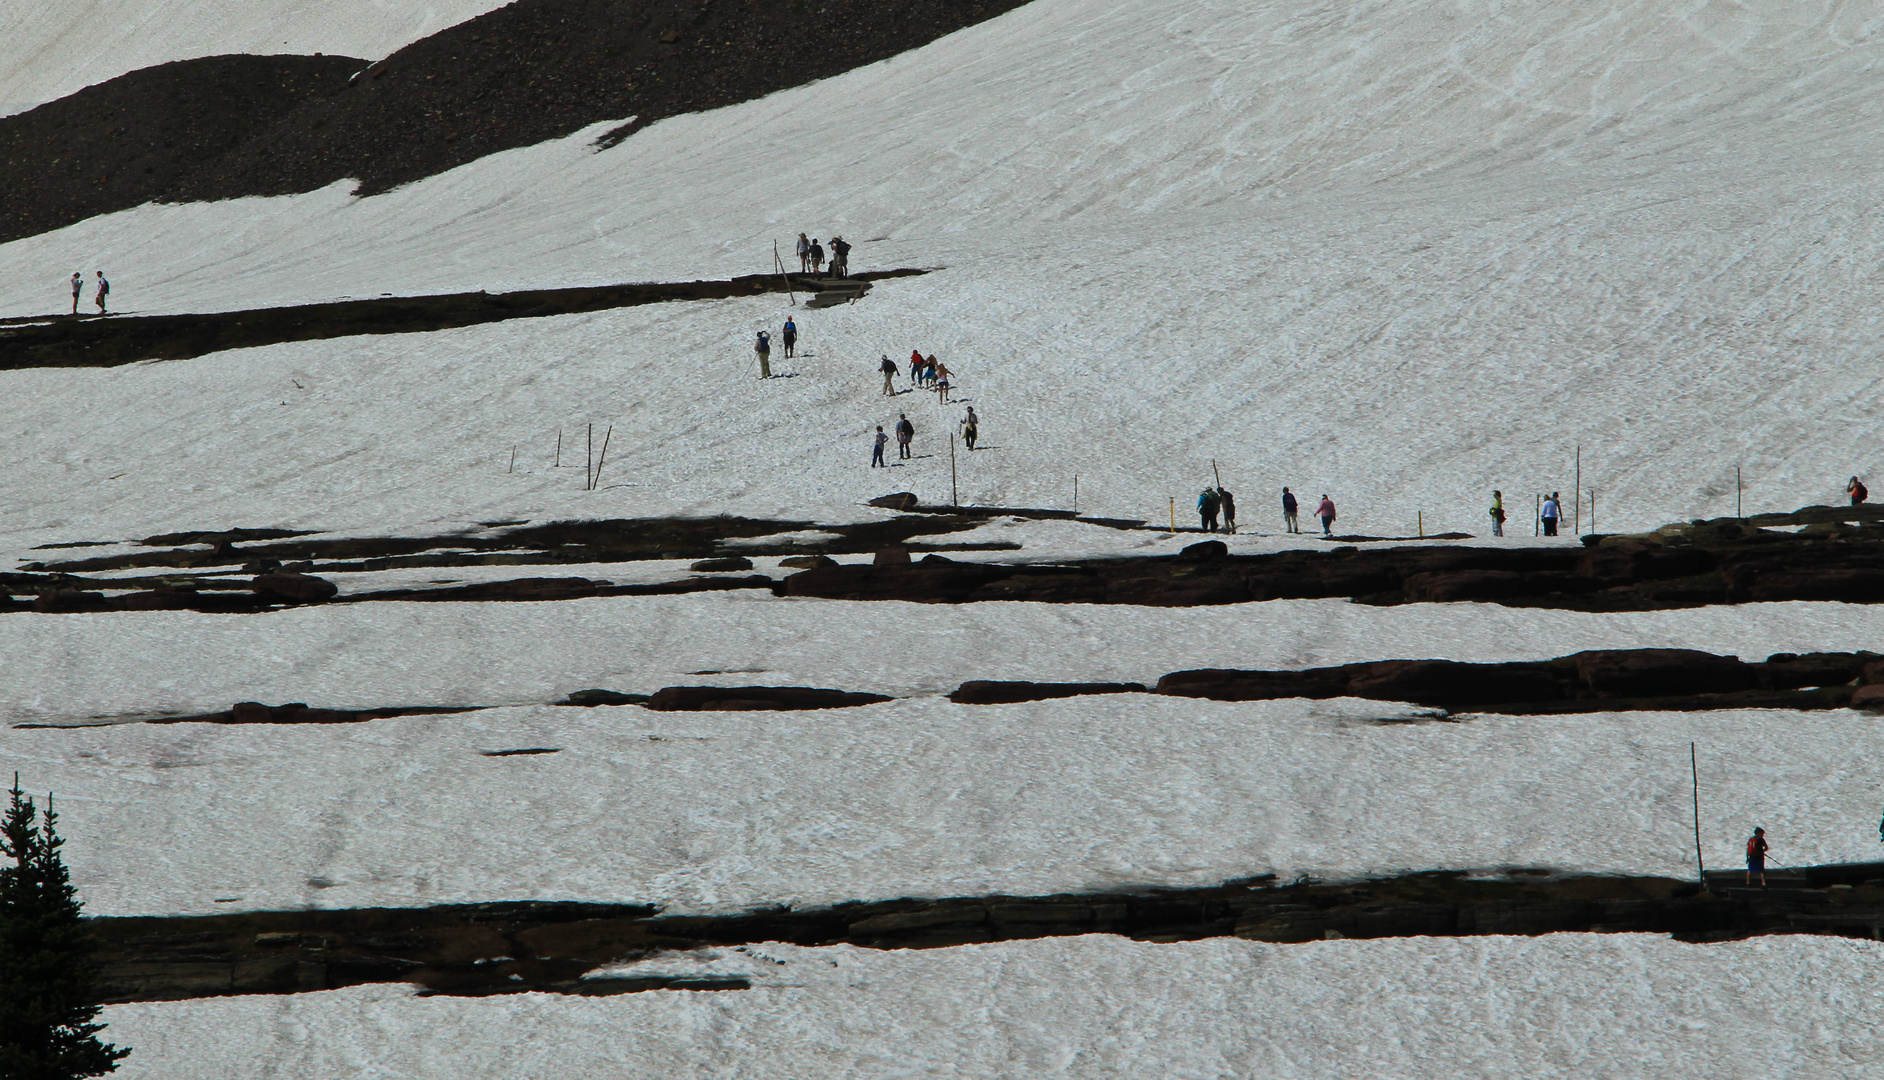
<point>1737,511</point>
<point>513,460</point>
<point>596,477</point>
<point>955,494</point>
<point>588,468</point>
<point>1174,513</point>
<point>1694,770</point>
<point>1578,526</point>
<point>1076,494</point>
<point>559,448</point>
<point>780,263</point>
<point>1537,515</point>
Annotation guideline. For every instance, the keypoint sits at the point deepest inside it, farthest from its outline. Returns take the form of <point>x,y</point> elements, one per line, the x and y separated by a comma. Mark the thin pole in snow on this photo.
<point>955,494</point>
<point>1422,521</point>
<point>1076,494</point>
<point>1737,512</point>
<point>603,460</point>
<point>1219,474</point>
<point>1174,513</point>
<point>588,468</point>
<point>1537,515</point>
<point>559,448</point>
<point>780,263</point>
<point>1694,773</point>
<point>1593,525</point>
<point>513,460</point>
<point>1578,526</point>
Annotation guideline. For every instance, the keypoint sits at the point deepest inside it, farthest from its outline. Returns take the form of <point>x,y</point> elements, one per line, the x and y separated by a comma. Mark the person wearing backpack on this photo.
<point>1857,491</point>
<point>1757,848</point>
<point>1552,513</point>
<point>888,368</point>
<point>763,347</point>
<point>1288,511</point>
<point>817,256</point>
<point>1498,512</point>
<point>1207,506</point>
<point>905,431</point>
<point>789,336</point>
<point>102,289</point>
<point>840,257</point>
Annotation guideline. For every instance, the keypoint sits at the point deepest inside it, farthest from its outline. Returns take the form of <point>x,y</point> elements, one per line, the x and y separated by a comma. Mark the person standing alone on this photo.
<point>1756,856</point>
<point>1288,511</point>
<point>876,454</point>
<point>905,431</point>
<point>1498,512</point>
<point>1552,513</point>
<point>102,289</point>
<point>1326,512</point>
<point>789,336</point>
<point>1857,491</point>
<point>971,428</point>
<point>78,286</point>
<point>888,368</point>
<point>764,348</point>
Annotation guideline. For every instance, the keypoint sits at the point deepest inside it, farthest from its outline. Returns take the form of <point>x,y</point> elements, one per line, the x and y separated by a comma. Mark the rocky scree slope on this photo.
<point>232,126</point>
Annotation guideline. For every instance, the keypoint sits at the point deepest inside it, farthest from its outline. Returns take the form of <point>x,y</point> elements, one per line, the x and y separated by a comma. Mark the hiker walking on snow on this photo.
<point>888,368</point>
<point>817,255</point>
<point>1498,512</point>
<point>905,431</point>
<point>941,372</point>
<point>1553,511</point>
<point>789,335</point>
<point>1229,509</point>
<point>101,290</point>
<point>1756,856</point>
<point>1326,512</point>
<point>804,254</point>
<point>1857,491</point>
<point>1207,504</point>
<point>1288,512</point>
<point>840,257</point>
<point>763,347</point>
<point>971,427</point>
<point>876,454</point>
<point>78,286</point>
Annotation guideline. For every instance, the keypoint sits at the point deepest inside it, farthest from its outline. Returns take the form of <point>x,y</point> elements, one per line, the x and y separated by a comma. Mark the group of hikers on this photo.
<point>787,336</point>
<point>102,289</point>
<point>924,371</point>
<point>811,256</point>
<point>1213,501</point>
<point>970,426</point>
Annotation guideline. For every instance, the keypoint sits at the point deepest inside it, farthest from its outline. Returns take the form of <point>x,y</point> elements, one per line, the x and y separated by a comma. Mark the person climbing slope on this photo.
<point>788,335</point>
<point>971,428</point>
<point>1288,511</point>
<point>905,431</point>
<point>888,368</point>
<point>763,347</point>
<point>1498,512</point>
<point>1326,511</point>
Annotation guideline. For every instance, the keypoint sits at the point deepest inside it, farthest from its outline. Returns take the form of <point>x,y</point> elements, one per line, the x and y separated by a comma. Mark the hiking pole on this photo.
<point>597,478</point>
<point>1694,769</point>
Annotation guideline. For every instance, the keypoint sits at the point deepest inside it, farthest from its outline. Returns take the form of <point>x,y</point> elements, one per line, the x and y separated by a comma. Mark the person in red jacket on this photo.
<point>1857,491</point>
<point>1756,856</point>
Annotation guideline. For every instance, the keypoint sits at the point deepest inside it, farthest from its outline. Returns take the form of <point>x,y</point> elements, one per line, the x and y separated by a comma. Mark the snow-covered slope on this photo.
<point>1403,253</point>
<point>1566,1005</point>
<point>49,50</point>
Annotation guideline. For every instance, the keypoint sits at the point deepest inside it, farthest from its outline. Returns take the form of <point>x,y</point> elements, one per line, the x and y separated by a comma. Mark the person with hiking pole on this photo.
<point>1756,856</point>
<point>763,347</point>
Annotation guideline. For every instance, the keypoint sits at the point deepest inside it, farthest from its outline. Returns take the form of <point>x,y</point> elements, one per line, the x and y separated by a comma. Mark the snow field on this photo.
<point>1564,1005</point>
<point>71,668</point>
<point>702,812</point>
<point>1403,256</point>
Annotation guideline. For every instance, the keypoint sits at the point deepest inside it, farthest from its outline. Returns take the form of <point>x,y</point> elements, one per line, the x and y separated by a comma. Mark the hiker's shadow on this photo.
<point>786,375</point>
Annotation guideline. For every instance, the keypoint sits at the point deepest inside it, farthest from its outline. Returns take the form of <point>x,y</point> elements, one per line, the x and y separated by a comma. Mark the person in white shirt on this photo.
<point>1552,513</point>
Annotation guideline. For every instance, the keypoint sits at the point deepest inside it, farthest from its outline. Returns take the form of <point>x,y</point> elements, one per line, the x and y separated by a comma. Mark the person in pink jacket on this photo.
<point>1326,512</point>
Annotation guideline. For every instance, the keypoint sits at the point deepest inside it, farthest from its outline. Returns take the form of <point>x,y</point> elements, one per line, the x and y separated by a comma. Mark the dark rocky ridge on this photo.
<point>500,948</point>
<point>90,341</point>
<point>233,126</point>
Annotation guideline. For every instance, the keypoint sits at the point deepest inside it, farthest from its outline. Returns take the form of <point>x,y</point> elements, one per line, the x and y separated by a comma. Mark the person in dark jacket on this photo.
<point>788,336</point>
<point>840,257</point>
<point>1857,491</point>
<point>763,347</point>
<point>876,452</point>
<point>1207,506</point>
<point>1229,508</point>
<point>1288,511</point>
<point>905,431</point>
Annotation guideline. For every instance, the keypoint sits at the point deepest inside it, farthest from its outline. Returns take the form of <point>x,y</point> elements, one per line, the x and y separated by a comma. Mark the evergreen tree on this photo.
<point>47,971</point>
